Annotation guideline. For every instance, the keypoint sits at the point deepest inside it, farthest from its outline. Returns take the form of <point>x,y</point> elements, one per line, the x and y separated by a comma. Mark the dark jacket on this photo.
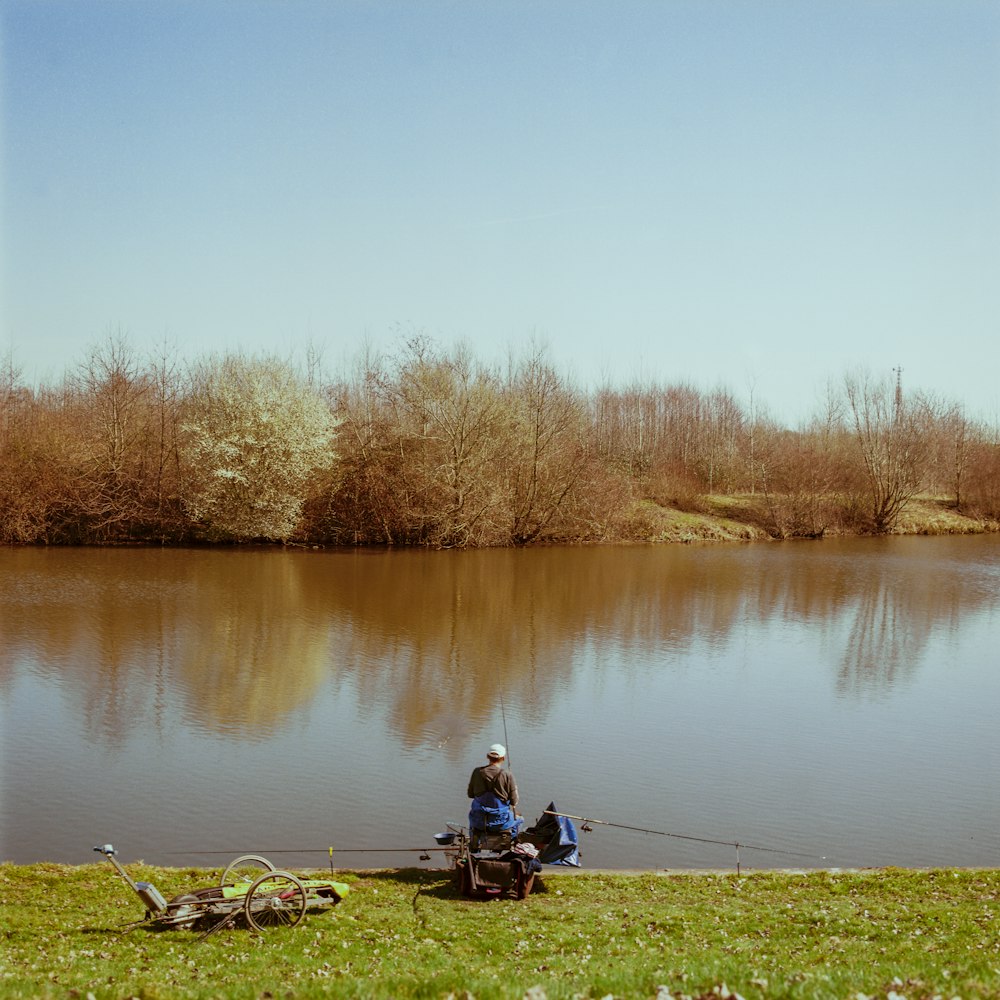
<point>493,778</point>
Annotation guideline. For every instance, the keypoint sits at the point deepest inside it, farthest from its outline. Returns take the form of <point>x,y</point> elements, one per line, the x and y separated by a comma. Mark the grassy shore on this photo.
<point>746,518</point>
<point>885,933</point>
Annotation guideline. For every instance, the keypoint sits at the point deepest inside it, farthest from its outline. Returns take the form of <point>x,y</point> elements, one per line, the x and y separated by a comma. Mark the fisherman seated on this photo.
<point>492,817</point>
<point>492,823</point>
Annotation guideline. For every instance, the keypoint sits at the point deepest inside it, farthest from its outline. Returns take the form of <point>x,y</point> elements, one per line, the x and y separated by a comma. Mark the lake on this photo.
<point>833,701</point>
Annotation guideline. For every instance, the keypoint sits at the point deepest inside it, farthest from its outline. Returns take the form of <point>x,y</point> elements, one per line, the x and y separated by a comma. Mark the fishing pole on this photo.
<point>316,850</point>
<point>503,716</point>
<point>683,836</point>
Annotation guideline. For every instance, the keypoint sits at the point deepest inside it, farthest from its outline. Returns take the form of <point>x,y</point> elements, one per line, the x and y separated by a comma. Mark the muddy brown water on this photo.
<point>834,702</point>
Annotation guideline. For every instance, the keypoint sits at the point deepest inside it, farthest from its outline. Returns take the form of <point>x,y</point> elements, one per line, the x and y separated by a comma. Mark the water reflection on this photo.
<point>128,632</point>
<point>241,642</point>
<point>252,649</point>
<point>838,692</point>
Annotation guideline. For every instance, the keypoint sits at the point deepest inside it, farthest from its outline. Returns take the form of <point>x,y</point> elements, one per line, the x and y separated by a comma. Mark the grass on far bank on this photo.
<point>747,517</point>
<point>887,933</point>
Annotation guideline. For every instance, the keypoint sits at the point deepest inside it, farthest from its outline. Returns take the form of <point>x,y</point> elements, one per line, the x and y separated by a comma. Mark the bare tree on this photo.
<point>982,479</point>
<point>111,386</point>
<point>43,455</point>
<point>449,411</point>
<point>12,391</point>
<point>719,443</point>
<point>15,499</point>
<point>370,499</point>
<point>801,475</point>
<point>956,438</point>
<point>547,447</point>
<point>164,378</point>
<point>890,431</point>
<point>655,434</point>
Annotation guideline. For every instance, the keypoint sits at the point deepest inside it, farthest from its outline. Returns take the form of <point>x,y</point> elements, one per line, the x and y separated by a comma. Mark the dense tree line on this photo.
<point>432,447</point>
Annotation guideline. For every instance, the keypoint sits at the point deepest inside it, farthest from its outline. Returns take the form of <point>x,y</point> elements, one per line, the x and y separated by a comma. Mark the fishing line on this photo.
<point>683,836</point>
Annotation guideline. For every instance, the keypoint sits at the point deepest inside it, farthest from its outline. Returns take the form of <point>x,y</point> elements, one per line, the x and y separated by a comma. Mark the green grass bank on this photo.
<point>746,518</point>
<point>888,933</point>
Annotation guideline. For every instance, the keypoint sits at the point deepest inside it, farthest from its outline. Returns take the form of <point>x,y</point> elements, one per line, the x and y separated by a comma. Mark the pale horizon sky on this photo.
<point>758,195</point>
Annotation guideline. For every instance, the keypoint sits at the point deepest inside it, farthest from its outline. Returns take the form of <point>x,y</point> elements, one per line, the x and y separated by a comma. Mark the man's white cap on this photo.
<point>498,750</point>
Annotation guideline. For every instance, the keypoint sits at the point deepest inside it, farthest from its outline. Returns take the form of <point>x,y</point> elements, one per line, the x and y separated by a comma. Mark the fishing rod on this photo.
<point>503,716</point>
<point>316,850</point>
<point>424,852</point>
<point>586,821</point>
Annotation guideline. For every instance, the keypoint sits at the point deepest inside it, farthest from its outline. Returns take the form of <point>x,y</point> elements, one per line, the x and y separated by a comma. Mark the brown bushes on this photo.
<point>432,447</point>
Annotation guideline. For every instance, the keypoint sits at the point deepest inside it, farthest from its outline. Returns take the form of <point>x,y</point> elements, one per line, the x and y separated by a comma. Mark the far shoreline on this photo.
<point>716,518</point>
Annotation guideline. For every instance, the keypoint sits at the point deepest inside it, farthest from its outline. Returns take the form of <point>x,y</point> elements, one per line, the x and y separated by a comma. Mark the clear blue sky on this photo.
<point>754,194</point>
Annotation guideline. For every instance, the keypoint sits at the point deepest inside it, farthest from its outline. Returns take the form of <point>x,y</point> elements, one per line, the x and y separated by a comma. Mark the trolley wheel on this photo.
<point>246,869</point>
<point>275,899</point>
<point>184,911</point>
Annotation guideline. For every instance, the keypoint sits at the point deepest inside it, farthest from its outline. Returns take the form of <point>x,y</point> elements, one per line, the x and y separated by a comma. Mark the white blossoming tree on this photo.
<point>255,437</point>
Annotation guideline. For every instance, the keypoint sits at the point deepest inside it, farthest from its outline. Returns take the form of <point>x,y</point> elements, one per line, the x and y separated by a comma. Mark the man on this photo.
<point>494,794</point>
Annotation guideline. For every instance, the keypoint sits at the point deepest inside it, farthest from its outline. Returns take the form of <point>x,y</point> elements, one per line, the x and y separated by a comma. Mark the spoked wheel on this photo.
<point>276,899</point>
<point>246,870</point>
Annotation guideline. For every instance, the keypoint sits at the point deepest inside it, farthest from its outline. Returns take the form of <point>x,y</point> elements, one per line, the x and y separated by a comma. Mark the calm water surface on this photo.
<point>835,700</point>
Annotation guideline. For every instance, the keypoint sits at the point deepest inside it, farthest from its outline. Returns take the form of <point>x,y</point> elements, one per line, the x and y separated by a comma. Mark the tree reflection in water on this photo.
<point>294,660</point>
<point>247,638</point>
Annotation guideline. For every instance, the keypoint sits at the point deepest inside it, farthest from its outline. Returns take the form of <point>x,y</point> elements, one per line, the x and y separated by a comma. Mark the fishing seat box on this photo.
<point>489,877</point>
<point>493,873</point>
<point>483,840</point>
